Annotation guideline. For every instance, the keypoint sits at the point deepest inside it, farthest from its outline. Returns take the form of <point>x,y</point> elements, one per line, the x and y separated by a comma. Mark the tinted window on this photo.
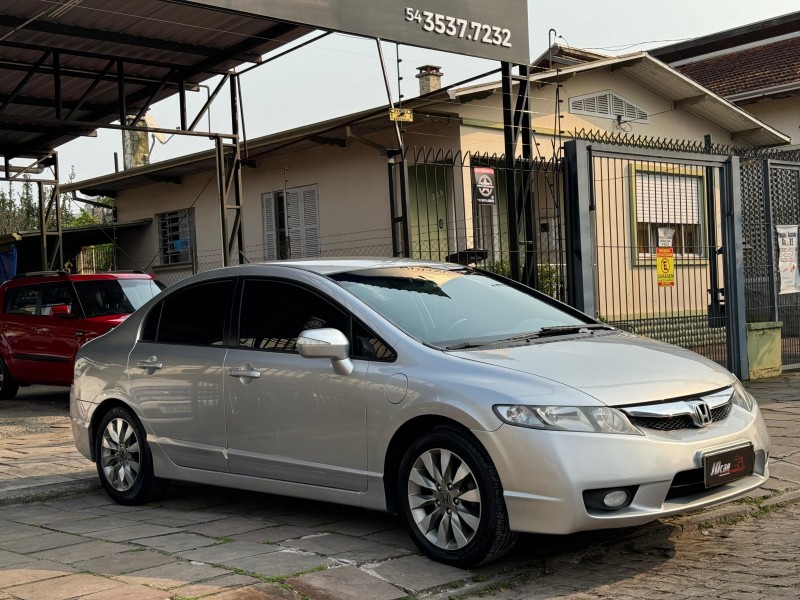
<point>274,313</point>
<point>196,315</point>
<point>114,296</point>
<point>55,294</point>
<point>22,300</point>
<point>367,345</point>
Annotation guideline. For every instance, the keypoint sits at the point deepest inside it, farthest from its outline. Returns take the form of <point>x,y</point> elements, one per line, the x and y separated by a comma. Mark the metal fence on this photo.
<point>771,198</point>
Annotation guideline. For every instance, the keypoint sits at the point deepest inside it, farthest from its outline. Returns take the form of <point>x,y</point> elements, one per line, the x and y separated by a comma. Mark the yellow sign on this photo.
<point>665,267</point>
<point>401,114</point>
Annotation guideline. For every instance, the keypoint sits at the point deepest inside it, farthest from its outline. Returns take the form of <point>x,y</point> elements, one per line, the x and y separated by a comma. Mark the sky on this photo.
<point>341,74</point>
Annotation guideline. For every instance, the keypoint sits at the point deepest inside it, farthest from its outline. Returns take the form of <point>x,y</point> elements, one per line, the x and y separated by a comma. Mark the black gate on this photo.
<point>656,238</point>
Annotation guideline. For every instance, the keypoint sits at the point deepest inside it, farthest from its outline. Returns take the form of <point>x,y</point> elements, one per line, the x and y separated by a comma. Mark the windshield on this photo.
<point>101,297</point>
<point>440,307</point>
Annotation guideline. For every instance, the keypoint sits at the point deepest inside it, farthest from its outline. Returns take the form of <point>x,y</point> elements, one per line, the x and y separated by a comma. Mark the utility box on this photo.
<point>764,349</point>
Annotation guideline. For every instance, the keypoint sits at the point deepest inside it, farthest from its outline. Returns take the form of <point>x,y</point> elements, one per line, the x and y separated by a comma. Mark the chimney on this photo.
<point>430,79</point>
<point>135,146</point>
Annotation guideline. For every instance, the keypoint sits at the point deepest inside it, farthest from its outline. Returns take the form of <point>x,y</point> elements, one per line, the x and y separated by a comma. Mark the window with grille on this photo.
<point>176,236</point>
<point>607,105</point>
<point>668,200</point>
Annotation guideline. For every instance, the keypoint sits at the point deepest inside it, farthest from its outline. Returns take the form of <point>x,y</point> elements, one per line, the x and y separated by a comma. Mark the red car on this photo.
<point>47,316</point>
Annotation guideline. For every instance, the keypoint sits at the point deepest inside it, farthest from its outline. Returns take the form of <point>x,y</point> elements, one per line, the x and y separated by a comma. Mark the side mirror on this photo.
<point>61,311</point>
<point>326,343</point>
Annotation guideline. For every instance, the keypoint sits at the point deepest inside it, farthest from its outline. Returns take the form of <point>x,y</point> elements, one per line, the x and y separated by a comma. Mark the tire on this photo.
<point>126,469</point>
<point>463,525</point>
<point>8,387</point>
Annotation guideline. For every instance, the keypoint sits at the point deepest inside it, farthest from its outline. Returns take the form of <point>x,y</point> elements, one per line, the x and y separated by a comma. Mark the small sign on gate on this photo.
<point>484,185</point>
<point>665,267</point>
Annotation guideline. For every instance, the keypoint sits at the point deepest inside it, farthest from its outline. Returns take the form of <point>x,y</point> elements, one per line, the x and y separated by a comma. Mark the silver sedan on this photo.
<point>472,406</point>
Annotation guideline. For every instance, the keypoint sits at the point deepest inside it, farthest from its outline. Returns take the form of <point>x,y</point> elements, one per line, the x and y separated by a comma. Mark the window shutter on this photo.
<point>294,220</point>
<point>270,242</point>
<point>310,221</point>
<point>667,198</point>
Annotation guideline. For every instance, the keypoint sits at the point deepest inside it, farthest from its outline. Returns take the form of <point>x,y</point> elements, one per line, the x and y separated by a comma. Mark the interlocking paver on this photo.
<point>229,526</point>
<point>222,554</point>
<point>62,588</point>
<point>32,570</point>
<point>417,573</point>
<point>214,586</point>
<point>345,583</point>
<point>123,562</point>
<point>281,563</point>
<point>345,547</point>
<point>44,541</point>
<point>175,542</point>
<point>172,575</point>
<point>82,551</point>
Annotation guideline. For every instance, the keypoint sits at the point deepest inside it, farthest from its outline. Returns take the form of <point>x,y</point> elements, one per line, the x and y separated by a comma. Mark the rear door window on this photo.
<point>195,315</point>
<point>22,300</point>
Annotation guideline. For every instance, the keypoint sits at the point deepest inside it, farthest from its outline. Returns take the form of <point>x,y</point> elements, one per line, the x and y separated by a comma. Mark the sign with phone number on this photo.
<point>461,28</point>
<point>496,30</point>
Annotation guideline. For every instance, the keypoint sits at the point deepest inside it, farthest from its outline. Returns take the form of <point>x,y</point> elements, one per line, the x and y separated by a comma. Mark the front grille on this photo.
<point>678,422</point>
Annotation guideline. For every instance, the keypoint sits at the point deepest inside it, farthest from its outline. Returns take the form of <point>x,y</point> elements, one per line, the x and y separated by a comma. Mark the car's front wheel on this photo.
<point>8,387</point>
<point>451,499</point>
<point>124,463</point>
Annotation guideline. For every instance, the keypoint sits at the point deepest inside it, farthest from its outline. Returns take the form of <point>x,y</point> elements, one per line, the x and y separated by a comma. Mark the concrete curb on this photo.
<point>48,492</point>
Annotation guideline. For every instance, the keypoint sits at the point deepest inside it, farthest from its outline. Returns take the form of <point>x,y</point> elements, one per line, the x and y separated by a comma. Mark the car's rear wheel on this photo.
<point>8,387</point>
<point>124,463</point>
<point>451,499</point>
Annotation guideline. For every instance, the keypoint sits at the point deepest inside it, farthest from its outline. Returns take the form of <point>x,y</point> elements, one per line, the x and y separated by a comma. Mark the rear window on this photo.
<point>114,296</point>
<point>21,300</point>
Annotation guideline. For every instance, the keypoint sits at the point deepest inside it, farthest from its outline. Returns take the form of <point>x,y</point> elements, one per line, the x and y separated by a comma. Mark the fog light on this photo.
<point>607,499</point>
<point>616,499</point>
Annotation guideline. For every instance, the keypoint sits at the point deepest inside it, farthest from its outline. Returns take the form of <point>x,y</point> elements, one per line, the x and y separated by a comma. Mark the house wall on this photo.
<point>782,114</point>
<point>663,122</point>
<point>353,194</point>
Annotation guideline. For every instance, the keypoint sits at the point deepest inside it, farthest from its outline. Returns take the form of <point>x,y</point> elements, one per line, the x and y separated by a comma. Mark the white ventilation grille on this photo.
<point>607,105</point>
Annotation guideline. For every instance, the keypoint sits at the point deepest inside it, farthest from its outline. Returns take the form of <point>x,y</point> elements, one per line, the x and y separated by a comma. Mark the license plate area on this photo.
<point>723,467</point>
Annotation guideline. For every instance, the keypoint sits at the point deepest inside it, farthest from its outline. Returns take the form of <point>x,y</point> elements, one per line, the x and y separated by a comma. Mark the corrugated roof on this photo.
<point>159,43</point>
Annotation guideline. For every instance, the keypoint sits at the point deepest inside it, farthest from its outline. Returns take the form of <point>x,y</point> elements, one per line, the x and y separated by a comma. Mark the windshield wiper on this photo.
<point>465,345</point>
<point>555,330</point>
<point>569,329</point>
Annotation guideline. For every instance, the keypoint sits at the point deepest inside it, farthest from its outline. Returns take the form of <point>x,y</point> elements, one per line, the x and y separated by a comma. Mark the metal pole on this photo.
<point>734,270</point>
<point>223,217</point>
<point>42,225</point>
<point>509,131</point>
<point>770,243</point>
<point>236,166</point>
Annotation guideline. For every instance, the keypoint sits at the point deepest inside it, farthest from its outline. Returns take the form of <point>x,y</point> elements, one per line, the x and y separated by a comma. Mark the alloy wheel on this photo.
<point>444,499</point>
<point>120,454</point>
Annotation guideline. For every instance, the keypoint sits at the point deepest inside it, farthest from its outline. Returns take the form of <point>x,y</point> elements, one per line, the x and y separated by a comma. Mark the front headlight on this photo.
<point>742,398</point>
<point>588,419</point>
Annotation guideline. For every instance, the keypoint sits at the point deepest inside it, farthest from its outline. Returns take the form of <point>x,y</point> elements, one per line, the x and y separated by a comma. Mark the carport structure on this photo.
<point>70,67</point>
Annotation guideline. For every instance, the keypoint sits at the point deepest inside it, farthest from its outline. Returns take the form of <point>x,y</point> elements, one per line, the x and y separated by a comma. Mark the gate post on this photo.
<point>734,270</point>
<point>579,212</point>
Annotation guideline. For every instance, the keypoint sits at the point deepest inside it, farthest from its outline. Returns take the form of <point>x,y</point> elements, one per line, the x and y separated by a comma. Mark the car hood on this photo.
<point>613,367</point>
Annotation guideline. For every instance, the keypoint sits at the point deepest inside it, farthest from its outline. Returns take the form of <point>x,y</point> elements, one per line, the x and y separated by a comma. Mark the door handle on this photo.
<point>78,333</point>
<point>149,365</point>
<point>244,373</point>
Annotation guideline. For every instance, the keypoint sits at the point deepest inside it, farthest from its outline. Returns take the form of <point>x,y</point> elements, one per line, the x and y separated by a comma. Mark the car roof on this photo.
<point>49,276</point>
<point>330,266</point>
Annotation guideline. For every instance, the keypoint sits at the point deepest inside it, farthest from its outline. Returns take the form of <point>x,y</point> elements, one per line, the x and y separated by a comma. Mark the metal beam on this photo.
<point>115,37</point>
<point>24,81</point>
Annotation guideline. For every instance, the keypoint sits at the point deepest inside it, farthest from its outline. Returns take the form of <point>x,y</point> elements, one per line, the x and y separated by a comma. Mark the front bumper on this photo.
<point>544,473</point>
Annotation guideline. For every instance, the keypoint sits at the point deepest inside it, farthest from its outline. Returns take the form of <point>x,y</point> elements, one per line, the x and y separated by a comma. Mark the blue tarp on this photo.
<point>8,264</point>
